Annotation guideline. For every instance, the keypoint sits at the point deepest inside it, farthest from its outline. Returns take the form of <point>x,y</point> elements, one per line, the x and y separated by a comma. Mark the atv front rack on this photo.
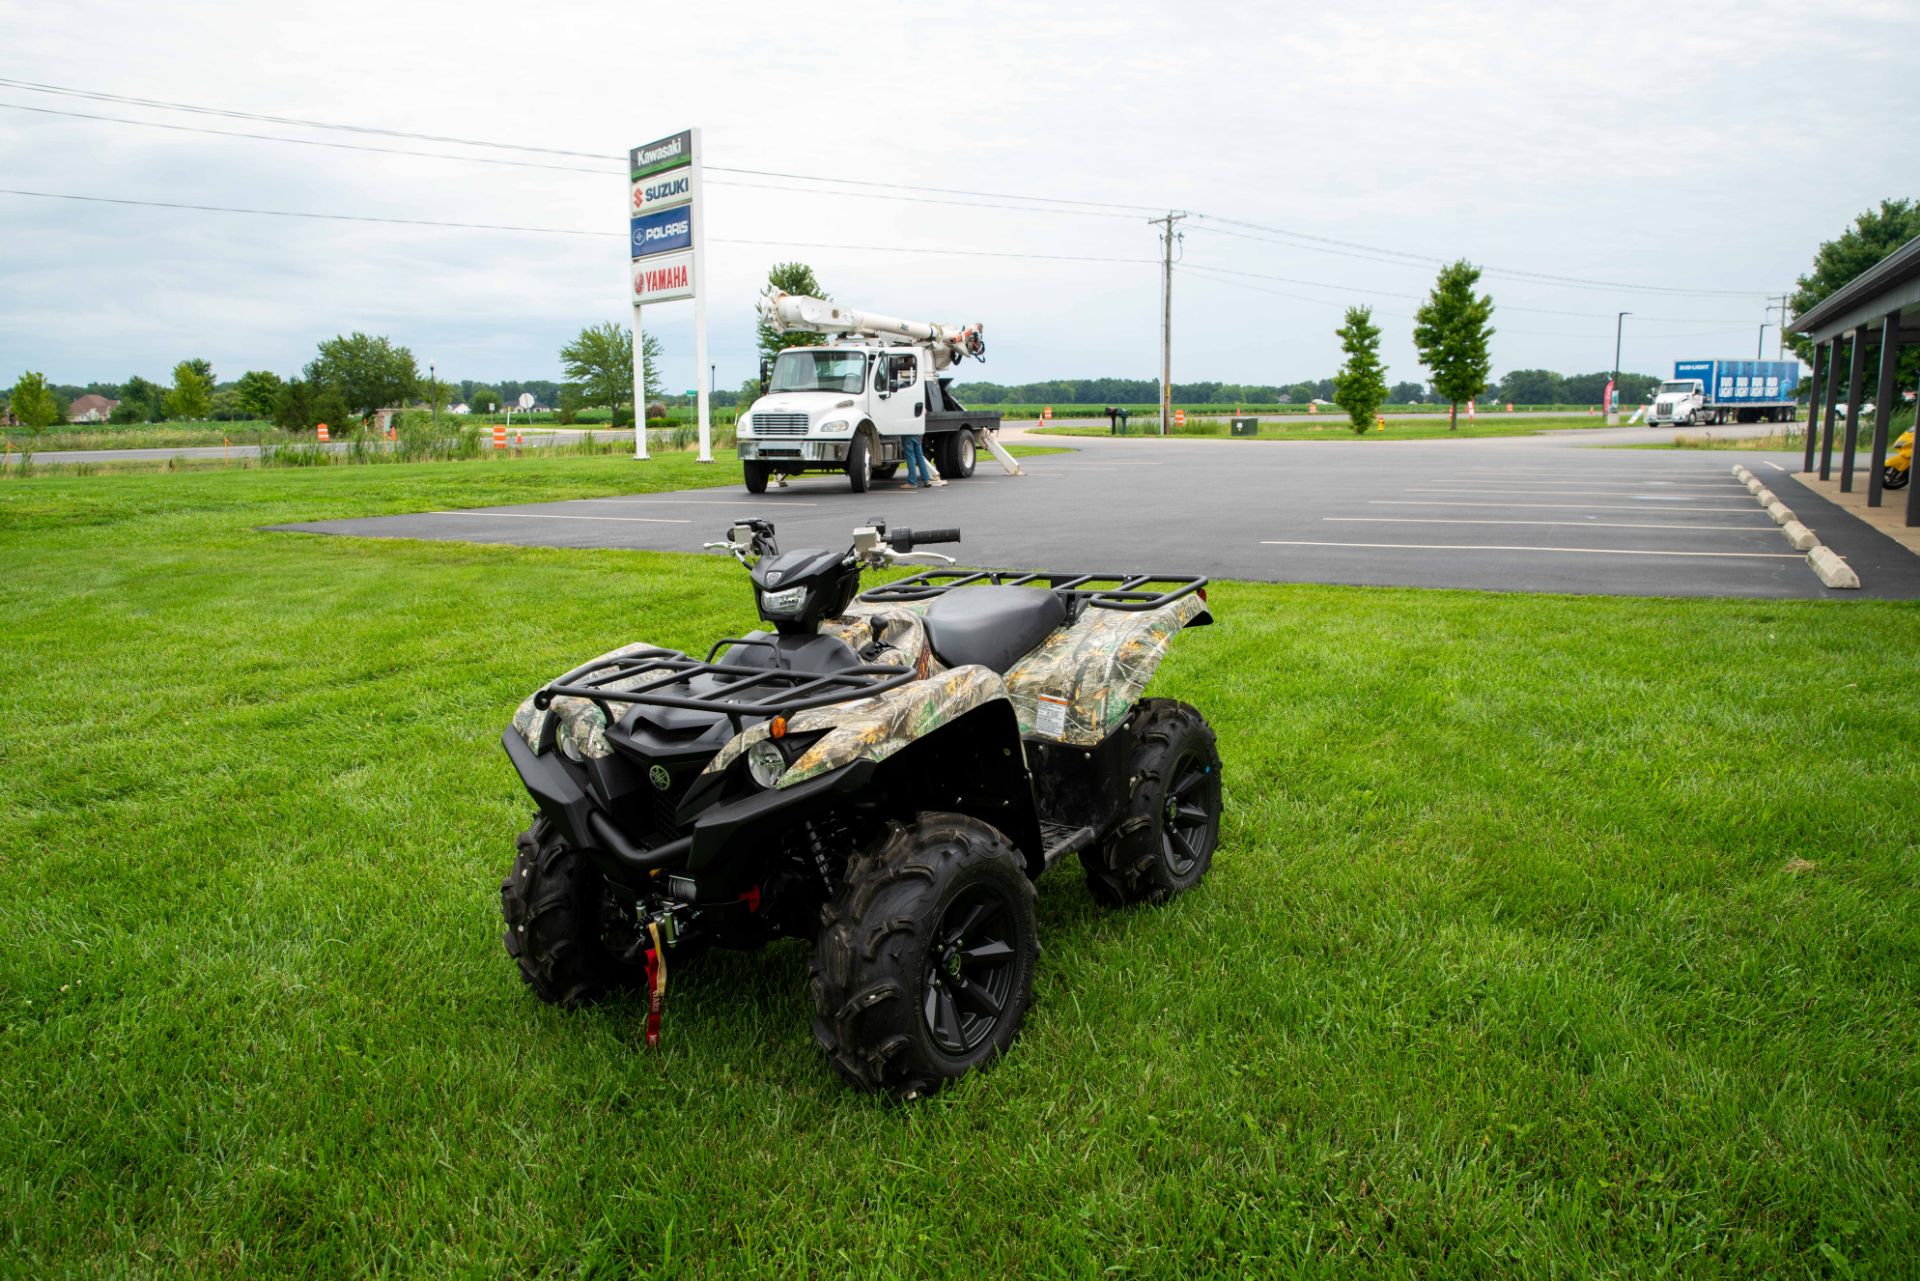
<point>1138,592</point>
<point>737,692</point>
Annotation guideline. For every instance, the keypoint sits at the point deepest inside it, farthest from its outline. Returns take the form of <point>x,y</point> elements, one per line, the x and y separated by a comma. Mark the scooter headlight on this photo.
<point>765,762</point>
<point>786,603</point>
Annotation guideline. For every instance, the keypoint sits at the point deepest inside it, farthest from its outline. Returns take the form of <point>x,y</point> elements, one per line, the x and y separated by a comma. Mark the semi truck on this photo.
<point>848,404</point>
<point>1718,391</point>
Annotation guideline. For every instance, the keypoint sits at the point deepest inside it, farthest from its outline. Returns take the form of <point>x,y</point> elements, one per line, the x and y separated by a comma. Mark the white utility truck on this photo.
<point>846,405</point>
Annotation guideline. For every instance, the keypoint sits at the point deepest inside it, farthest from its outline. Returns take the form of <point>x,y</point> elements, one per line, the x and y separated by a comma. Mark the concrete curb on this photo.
<point>1780,512</point>
<point>1766,497</point>
<point>1800,536</point>
<point>1741,474</point>
<point>1833,571</point>
<point>1754,486</point>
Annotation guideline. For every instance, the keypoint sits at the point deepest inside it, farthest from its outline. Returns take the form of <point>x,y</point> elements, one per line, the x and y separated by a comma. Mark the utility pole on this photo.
<point>1613,388</point>
<point>1780,307</point>
<point>1167,238</point>
<point>1760,339</point>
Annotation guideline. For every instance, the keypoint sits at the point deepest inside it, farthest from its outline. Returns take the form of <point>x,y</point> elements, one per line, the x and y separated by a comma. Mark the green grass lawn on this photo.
<point>1548,935</point>
<point>1336,427</point>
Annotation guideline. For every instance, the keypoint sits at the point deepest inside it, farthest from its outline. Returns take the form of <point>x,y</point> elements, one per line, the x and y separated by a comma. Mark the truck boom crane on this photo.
<point>787,313</point>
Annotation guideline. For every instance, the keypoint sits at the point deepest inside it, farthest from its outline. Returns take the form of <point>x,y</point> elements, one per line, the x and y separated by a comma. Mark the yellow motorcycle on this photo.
<point>1899,467</point>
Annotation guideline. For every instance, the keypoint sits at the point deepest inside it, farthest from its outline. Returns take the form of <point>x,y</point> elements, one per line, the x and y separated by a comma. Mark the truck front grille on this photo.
<point>780,424</point>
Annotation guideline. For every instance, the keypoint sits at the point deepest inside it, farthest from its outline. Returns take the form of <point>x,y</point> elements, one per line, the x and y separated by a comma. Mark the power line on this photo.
<point>1292,239</point>
<point>553,231</point>
<point>1354,249</point>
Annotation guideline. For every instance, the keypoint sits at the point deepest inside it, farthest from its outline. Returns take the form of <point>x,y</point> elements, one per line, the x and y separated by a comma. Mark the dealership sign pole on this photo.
<point>668,261</point>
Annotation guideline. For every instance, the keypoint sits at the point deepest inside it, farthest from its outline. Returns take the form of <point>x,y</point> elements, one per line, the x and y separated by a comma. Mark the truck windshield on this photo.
<point>801,370</point>
<point>1685,389</point>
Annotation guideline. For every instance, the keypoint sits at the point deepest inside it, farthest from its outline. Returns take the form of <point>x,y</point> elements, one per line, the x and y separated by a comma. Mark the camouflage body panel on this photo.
<point>581,728</point>
<point>875,727</point>
<point>892,634</point>
<point>1097,667</point>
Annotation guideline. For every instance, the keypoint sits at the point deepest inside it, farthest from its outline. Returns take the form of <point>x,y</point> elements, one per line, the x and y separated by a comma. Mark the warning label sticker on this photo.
<point>1050,716</point>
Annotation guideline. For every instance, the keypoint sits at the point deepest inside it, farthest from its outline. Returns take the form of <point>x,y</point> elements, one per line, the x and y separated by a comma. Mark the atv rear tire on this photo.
<point>1163,843</point>
<point>566,930</point>
<point>924,966</point>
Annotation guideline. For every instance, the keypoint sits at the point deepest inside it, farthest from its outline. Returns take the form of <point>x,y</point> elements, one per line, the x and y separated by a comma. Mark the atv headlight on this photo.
<point>783,604</point>
<point>765,762</point>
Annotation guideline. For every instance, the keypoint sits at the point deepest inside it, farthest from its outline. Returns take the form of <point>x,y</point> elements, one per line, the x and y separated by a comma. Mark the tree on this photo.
<point>367,372</point>
<point>1406,394</point>
<point>204,368</point>
<point>1534,387</point>
<point>34,403</point>
<point>600,363</point>
<point>147,398</point>
<point>258,392</point>
<point>1451,331</point>
<point>1873,235</point>
<point>192,394</point>
<point>1360,387</point>
<point>484,400</point>
<point>789,278</point>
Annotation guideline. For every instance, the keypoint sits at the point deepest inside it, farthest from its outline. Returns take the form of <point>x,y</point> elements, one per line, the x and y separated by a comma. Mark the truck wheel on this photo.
<point>574,941</point>
<point>1164,842</point>
<point>924,966</point>
<point>757,474</point>
<point>860,464</point>
<point>956,461</point>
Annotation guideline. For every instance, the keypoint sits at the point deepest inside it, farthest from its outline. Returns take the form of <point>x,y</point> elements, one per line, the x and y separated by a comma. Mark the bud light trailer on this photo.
<point>1721,391</point>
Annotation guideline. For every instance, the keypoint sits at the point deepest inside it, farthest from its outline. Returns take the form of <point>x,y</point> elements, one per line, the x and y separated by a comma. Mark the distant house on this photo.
<point>91,408</point>
<point>461,409</point>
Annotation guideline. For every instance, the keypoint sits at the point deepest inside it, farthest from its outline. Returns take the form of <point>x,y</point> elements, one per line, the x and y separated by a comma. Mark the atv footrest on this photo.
<point>1061,839</point>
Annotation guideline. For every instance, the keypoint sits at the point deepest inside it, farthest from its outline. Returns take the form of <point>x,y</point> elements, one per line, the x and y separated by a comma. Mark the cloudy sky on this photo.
<point>1705,147</point>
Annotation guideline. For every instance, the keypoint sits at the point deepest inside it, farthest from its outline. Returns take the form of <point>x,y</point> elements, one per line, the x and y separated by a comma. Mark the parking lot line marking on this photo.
<point>1776,466</point>
<point>1558,524</point>
<point>1652,498</point>
<point>751,500</point>
<point>1555,507</point>
<point>1698,486</point>
<point>631,520</point>
<point>1562,551</point>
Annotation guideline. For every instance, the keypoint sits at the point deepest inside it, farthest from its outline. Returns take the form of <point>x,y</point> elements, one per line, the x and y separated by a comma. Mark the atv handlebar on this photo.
<point>906,540</point>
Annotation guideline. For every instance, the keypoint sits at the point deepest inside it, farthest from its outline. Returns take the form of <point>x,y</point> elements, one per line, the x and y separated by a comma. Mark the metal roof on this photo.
<point>1892,284</point>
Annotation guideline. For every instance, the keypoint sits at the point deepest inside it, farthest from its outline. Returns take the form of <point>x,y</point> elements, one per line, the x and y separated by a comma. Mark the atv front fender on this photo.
<point>1084,679</point>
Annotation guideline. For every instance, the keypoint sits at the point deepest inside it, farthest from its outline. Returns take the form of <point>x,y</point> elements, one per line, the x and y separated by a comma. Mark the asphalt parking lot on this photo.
<point>1545,513</point>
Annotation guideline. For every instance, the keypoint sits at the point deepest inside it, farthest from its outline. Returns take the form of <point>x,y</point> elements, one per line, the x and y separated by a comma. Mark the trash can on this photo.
<point>1246,426</point>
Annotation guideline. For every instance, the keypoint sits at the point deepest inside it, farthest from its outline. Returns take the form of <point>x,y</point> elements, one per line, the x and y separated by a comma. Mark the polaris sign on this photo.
<point>662,233</point>
<point>666,251</point>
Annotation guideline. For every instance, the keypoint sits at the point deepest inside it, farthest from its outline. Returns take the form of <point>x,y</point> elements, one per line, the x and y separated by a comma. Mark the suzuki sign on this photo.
<point>665,250</point>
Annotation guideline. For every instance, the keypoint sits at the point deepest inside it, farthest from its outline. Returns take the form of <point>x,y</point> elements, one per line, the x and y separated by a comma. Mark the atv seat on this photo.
<point>992,626</point>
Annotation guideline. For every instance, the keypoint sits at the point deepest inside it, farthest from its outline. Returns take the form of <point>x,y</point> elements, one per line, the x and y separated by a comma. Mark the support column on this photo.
<point>1913,492</point>
<point>639,386</point>
<point>1885,401</point>
<point>1856,368</point>
<point>1832,409</point>
<point>1813,406</point>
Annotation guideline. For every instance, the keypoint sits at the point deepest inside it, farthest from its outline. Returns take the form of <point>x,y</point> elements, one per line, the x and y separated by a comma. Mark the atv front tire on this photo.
<point>567,931</point>
<point>924,966</point>
<point>1163,843</point>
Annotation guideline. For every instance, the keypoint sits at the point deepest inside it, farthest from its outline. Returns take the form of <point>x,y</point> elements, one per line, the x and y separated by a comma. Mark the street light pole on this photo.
<point>1613,387</point>
<point>433,391</point>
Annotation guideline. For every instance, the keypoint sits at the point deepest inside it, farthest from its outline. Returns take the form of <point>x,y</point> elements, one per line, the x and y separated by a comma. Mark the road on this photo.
<point>1501,513</point>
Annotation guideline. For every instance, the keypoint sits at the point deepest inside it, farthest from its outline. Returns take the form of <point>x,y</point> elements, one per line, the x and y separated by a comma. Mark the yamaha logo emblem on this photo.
<point>660,778</point>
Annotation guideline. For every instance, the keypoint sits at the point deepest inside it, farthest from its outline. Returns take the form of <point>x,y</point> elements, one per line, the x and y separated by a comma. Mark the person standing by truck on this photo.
<point>916,456</point>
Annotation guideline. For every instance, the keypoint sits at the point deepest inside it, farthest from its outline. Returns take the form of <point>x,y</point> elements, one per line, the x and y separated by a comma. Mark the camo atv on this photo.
<point>884,776</point>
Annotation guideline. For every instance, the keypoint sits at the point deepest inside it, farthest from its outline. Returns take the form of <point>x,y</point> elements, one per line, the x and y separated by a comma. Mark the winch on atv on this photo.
<point>884,774</point>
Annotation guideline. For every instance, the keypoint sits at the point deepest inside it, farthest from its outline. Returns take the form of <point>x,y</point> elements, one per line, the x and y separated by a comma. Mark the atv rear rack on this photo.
<point>1134,592</point>
<point>745,692</point>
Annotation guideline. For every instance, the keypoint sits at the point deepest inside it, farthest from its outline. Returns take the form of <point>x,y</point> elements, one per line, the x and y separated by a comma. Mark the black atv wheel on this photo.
<point>566,930</point>
<point>1895,477</point>
<point>757,476</point>
<point>860,463</point>
<point>924,966</point>
<point>1164,842</point>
